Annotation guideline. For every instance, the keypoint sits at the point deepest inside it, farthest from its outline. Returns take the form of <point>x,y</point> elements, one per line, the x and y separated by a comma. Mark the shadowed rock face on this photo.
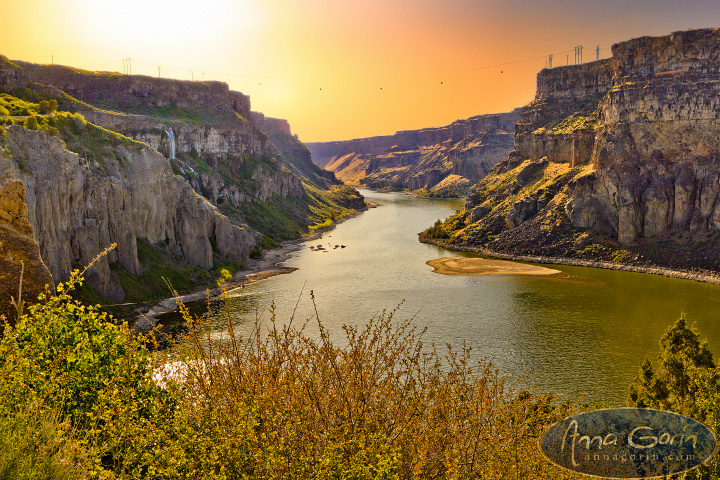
<point>19,252</point>
<point>436,160</point>
<point>634,141</point>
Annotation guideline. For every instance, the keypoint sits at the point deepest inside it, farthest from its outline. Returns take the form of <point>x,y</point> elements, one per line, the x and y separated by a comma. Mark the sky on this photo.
<point>338,69</point>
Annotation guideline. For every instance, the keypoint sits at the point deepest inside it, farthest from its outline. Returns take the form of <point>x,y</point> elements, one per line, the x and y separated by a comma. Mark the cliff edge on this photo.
<point>615,160</point>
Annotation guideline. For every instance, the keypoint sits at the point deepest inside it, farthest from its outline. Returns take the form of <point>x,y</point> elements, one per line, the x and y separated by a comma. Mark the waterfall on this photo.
<point>187,171</point>
<point>171,138</point>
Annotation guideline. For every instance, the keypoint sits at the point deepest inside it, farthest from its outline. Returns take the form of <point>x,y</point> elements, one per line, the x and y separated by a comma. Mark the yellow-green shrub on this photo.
<point>66,357</point>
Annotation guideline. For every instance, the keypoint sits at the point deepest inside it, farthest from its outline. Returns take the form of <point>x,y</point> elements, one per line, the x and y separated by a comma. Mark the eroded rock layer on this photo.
<point>78,209</point>
<point>23,275</point>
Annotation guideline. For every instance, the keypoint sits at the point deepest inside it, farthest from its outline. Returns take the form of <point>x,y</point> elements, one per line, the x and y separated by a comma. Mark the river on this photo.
<point>581,334</point>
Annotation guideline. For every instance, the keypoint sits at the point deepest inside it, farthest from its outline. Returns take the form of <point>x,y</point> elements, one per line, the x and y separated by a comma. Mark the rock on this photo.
<point>77,213</point>
<point>521,211</point>
<point>531,170</point>
<point>19,252</point>
<point>478,212</point>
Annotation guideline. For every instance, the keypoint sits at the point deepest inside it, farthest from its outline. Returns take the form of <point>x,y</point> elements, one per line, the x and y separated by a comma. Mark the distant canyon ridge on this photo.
<point>440,162</point>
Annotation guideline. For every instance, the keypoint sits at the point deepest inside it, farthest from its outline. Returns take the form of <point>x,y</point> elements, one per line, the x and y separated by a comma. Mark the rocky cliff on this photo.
<point>78,207</point>
<point>23,275</point>
<point>436,161</point>
<point>617,159</point>
<point>101,170</point>
<point>137,91</point>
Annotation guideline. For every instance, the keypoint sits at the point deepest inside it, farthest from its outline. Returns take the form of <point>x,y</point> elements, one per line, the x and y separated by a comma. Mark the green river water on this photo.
<point>581,333</point>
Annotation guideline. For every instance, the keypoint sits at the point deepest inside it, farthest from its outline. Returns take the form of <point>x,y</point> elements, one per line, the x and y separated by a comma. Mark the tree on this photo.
<point>684,373</point>
<point>684,380</point>
<point>31,123</point>
<point>47,106</point>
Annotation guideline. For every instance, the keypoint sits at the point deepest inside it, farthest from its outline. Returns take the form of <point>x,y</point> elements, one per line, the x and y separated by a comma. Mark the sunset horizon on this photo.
<point>338,72</point>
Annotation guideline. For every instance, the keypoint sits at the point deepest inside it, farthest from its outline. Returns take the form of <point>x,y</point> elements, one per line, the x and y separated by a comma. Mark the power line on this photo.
<point>127,67</point>
<point>509,63</point>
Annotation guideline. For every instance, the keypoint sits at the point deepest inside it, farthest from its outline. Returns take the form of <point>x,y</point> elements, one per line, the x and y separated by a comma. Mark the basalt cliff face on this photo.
<point>617,159</point>
<point>443,161</point>
<point>100,170</point>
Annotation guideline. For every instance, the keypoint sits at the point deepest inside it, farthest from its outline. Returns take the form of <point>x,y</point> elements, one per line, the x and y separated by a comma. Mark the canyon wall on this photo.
<point>79,207</point>
<point>23,275</point>
<point>440,161</point>
<point>624,152</point>
<point>98,171</point>
<point>113,89</point>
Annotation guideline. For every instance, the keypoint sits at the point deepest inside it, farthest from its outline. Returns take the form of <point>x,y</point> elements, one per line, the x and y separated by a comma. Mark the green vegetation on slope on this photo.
<point>282,218</point>
<point>588,118</point>
<point>519,208</point>
<point>159,268</point>
<point>169,113</point>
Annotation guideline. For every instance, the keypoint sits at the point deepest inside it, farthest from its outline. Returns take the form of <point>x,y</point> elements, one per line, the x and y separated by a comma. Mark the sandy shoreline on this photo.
<point>708,277</point>
<point>485,266</point>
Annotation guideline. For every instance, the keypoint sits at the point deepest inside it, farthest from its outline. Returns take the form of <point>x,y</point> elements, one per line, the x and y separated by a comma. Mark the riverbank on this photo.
<point>698,276</point>
<point>258,269</point>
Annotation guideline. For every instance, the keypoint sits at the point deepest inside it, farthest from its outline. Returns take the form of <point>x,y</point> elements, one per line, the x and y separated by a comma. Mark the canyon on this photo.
<point>616,160</point>
<point>439,162</point>
<point>97,169</point>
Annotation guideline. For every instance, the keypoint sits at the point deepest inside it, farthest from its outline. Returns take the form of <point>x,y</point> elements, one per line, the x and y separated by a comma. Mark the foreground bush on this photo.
<point>62,358</point>
<point>288,404</point>
<point>35,445</point>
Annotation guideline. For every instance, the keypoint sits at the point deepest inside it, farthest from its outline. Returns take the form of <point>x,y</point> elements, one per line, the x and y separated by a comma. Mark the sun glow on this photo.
<point>321,64</point>
<point>178,30</point>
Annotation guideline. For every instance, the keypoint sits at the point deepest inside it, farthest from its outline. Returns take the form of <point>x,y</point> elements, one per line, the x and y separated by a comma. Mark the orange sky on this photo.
<point>338,69</point>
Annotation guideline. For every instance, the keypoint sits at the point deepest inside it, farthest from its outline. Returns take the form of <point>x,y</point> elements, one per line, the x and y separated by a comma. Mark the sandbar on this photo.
<point>485,266</point>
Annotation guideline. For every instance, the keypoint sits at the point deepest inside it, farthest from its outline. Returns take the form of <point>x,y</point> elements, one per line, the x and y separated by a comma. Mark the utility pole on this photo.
<point>52,60</point>
<point>192,76</point>
<point>549,61</point>
<point>158,71</point>
<point>567,59</point>
<point>578,54</point>
<point>597,53</point>
<point>130,66</point>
